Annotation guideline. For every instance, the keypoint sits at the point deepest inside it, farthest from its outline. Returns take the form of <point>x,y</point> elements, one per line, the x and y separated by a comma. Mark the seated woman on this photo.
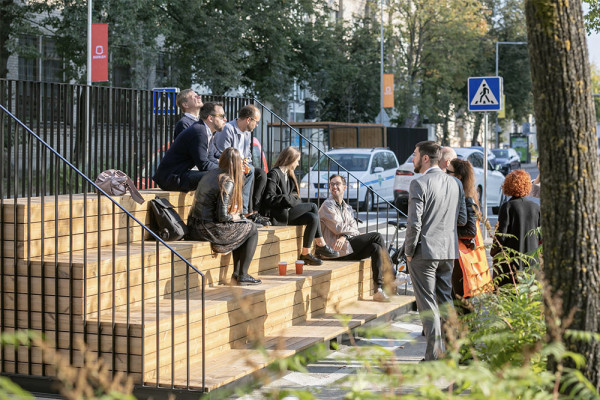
<point>215,215</point>
<point>463,171</point>
<point>517,218</point>
<point>282,204</point>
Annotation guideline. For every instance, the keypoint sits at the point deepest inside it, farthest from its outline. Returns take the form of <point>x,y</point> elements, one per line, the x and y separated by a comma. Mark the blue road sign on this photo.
<point>163,101</point>
<point>485,93</point>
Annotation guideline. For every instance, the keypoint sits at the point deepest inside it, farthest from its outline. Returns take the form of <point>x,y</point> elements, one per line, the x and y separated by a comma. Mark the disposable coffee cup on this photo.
<point>282,268</point>
<point>299,267</point>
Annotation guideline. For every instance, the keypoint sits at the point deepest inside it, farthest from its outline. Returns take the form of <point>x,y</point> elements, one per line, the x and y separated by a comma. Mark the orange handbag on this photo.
<point>477,277</point>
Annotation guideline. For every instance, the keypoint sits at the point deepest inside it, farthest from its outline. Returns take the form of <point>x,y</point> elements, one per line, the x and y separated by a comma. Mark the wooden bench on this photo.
<point>57,280</point>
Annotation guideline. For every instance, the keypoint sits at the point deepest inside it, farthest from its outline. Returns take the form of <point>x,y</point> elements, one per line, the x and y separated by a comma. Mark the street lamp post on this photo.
<point>381,70</point>
<point>497,45</point>
<point>88,88</point>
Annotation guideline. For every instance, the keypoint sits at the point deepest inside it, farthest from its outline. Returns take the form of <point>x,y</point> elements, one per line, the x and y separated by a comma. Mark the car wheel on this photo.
<point>368,203</point>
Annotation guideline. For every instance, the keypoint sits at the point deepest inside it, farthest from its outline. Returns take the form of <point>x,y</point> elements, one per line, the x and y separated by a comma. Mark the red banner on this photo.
<point>99,52</point>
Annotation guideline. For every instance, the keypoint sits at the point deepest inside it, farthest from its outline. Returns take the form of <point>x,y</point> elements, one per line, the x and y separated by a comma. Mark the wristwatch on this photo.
<point>346,236</point>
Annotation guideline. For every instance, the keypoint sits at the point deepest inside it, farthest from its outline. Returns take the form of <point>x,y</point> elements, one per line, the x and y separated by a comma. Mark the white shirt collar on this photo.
<point>192,116</point>
<point>429,169</point>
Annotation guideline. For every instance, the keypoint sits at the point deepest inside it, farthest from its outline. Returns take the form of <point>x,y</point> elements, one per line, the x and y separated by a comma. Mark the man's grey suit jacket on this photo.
<point>436,206</point>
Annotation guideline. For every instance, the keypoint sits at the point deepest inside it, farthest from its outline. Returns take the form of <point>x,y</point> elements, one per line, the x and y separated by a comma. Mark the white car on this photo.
<point>375,168</point>
<point>406,173</point>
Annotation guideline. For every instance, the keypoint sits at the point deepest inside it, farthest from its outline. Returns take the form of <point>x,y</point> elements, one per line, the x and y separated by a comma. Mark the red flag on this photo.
<point>99,52</point>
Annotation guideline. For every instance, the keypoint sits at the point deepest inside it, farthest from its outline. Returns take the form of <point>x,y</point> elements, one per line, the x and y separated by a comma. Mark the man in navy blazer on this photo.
<point>436,206</point>
<point>189,150</point>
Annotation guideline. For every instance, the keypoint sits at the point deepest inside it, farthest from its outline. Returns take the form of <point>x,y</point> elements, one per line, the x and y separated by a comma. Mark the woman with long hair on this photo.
<point>463,171</point>
<point>216,215</point>
<point>517,218</point>
<point>282,204</point>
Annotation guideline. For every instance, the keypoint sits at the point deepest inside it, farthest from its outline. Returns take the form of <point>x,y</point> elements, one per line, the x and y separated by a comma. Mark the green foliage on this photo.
<point>592,18</point>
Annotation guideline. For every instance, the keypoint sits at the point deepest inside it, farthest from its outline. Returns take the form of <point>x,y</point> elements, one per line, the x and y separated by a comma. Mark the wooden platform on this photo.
<point>77,268</point>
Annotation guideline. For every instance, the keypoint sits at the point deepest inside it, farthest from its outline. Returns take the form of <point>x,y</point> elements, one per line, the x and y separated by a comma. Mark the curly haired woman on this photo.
<point>517,218</point>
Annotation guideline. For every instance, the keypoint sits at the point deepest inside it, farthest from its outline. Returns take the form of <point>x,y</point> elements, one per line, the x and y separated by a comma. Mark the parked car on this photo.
<point>506,160</point>
<point>146,182</point>
<point>405,174</point>
<point>375,168</point>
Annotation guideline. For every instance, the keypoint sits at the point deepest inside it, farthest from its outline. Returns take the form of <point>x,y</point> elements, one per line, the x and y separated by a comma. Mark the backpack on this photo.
<point>117,183</point>
<point>167,224</point>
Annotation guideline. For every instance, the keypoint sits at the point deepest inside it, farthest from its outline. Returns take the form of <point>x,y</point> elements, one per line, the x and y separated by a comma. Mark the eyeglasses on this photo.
<point>255,120</point>
<point>336,184</point>
<point>218,115</point>
<point>449,172</point>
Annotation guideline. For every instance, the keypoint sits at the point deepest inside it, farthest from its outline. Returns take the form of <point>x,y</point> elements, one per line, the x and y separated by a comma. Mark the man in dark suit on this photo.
<point>190,103</point>
<point>189,150</point>
<point>436,206</point>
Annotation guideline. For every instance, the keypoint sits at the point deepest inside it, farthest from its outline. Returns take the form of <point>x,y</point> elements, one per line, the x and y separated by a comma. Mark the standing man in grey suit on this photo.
<point>436,206</point>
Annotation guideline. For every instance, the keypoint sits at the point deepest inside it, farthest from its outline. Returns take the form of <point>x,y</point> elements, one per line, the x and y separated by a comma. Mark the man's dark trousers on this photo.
<point>368,245</point>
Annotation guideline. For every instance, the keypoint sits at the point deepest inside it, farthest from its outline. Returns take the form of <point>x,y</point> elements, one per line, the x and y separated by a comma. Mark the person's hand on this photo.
<point>246,165</point>
<point>339,243</point>
<point>408,258</point>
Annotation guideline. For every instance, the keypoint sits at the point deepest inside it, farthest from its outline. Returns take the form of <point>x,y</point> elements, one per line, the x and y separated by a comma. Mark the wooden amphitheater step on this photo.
<point>237,363</point>
<point>235,316</point>
<point>121,265</point>
<point>61,224</point>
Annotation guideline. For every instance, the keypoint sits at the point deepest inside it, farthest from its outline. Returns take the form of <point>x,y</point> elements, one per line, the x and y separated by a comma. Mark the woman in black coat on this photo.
<point>518,217</point>
<point>282,204</point>
<point>216,215</point>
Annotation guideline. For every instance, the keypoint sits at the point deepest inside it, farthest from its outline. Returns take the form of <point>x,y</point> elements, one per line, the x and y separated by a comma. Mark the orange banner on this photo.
<point>388,90</point>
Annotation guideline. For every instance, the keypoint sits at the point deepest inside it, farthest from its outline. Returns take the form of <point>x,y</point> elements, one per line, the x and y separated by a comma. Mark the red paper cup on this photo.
<point>282,268</point>
<point>299,267</point>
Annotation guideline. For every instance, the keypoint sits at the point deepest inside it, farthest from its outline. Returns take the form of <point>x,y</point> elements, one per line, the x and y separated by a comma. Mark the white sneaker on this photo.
<point>381,296</point>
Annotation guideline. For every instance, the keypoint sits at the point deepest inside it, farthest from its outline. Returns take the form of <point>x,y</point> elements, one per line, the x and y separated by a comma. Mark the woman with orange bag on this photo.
<point>471,272</point>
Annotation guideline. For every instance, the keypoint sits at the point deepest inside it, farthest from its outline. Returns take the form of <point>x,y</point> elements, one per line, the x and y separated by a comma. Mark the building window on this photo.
<point>122,76</point>
<point>28,58</point>
<point>162,70</point>
<point>52,70</point>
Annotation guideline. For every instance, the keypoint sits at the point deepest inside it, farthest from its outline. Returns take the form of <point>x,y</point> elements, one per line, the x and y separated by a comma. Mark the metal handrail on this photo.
<point>174,252</point>
<point>340,167</point>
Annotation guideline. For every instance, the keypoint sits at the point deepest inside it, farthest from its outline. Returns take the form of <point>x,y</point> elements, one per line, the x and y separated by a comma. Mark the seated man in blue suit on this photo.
<point>189,150</point>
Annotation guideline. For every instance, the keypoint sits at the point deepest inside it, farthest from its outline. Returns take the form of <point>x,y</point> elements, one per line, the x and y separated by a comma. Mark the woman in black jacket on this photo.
<point>517,218</point>
<point>216,215</point>
<point>282,204</point>
<point>463,171</point>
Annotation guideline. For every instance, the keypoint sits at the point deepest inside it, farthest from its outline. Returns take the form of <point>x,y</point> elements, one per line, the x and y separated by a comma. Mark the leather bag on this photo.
<point>117,183</point>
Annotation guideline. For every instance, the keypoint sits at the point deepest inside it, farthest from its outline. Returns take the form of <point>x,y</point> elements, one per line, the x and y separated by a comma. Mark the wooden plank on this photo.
<point>61,207</point>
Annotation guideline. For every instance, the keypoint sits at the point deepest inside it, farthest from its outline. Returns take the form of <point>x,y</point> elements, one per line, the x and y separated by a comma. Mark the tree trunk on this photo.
<point>569,166</point>
<point>476,129</point>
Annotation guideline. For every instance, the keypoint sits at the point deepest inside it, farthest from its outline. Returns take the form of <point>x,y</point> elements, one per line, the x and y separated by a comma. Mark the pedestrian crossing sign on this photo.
<point>485,93</point>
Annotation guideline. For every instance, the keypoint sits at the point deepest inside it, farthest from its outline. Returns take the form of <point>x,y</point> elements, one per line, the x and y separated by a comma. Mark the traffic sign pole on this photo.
<point>485,170</point>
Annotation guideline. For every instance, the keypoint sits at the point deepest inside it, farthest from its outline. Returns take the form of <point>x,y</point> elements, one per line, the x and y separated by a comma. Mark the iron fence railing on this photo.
<point>128,130</point>
<point>46,230</point>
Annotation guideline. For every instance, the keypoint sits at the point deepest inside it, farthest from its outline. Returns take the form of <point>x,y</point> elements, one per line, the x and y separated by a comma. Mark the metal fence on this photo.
<point>51,154</point>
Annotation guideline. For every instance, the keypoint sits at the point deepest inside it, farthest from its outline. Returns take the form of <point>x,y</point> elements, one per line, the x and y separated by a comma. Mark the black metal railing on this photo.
<point>128,130</point>
<point>379,210</point>
<point>54,249</point>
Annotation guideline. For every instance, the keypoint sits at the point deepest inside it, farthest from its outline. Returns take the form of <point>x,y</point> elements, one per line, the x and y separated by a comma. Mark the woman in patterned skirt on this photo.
<point>216,215</point>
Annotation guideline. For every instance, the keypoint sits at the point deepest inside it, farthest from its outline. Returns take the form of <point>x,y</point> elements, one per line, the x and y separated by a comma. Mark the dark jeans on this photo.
<point>242,256</point>
<point>258,188</point>
<point>369,245</point>
<point>185,182</point>
<point>306,214</point>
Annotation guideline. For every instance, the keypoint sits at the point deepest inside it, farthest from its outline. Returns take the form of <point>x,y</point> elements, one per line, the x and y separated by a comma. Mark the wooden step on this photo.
<point>234,364</point>
<point>121,266</point>
<point>73,222</point>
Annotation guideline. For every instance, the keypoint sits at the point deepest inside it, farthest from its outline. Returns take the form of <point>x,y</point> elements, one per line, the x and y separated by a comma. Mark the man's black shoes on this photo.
<point>326,252</point>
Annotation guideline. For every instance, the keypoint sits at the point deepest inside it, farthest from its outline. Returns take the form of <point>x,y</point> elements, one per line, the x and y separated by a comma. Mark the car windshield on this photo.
<point>500,153</point>
<point>352,162</point>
